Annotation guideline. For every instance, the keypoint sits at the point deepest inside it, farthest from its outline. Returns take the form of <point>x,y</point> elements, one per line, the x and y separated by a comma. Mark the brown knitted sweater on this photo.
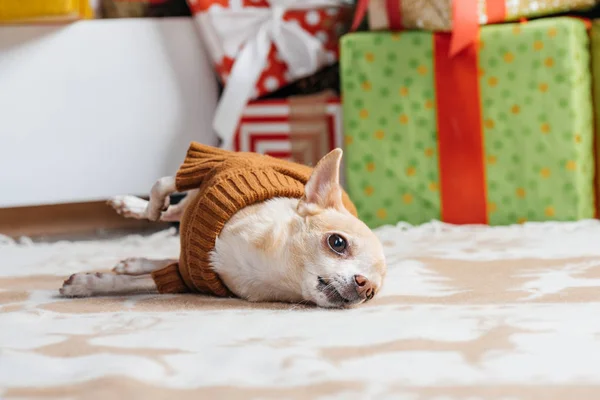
<point>227,182</point>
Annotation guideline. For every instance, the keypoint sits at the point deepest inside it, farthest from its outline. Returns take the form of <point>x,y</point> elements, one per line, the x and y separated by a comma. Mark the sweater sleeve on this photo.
<point>199,162</point>
<point>168,280</point>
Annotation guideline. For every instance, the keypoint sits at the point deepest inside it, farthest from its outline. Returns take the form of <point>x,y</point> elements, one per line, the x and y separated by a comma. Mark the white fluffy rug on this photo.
<point>466,313</point>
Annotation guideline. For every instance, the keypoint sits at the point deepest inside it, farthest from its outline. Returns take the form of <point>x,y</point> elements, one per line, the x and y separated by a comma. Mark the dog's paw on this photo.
<point>84,285</point>
<point>131,266</point>
<point>129,206</point>
<point>76,286</point>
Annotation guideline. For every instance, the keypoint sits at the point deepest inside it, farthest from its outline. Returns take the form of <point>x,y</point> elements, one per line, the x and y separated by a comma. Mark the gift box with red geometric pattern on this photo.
<point>259,46</point>
<point>301,129</point>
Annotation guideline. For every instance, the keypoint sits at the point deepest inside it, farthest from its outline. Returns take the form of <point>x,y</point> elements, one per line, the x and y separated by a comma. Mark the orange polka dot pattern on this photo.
<point>392,159</point>
<point>537,121</point>
<point>535,94</point>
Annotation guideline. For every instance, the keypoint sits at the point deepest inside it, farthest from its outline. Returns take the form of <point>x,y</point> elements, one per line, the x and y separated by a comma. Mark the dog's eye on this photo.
<point>337,243</point>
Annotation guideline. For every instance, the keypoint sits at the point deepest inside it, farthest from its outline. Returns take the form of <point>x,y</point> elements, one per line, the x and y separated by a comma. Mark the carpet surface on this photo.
<point>466,313</point>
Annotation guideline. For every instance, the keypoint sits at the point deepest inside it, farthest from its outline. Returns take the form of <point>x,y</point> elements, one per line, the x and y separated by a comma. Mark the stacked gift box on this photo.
<point>469,120</point>
<point>277,62</point>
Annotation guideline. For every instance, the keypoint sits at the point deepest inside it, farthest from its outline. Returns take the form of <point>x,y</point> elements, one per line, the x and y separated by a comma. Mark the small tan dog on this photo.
<point>285,249</point>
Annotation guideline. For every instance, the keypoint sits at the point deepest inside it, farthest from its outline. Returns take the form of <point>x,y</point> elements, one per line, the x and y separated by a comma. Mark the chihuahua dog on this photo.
<point>285,249</point>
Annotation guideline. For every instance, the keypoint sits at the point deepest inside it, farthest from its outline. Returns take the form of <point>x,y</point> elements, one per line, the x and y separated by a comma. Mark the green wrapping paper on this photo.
<point>595,46</point>
<point>536,123</point>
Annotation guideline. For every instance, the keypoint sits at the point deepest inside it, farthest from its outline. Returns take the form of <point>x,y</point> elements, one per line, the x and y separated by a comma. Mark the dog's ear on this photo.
<point>323,189</point>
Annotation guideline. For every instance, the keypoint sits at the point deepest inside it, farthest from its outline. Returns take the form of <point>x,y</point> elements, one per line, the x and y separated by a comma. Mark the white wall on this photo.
<point>98,108</point>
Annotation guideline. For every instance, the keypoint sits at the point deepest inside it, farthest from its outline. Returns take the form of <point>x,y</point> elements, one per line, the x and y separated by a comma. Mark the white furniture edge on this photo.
<point>97,108</point>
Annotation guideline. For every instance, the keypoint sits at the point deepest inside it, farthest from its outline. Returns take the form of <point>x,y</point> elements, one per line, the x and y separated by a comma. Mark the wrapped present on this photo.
<point>259,46</point>
<point>500,133</point>
<point>300,128</point>
<point>22,11</point>
<point>460,16</point>
<point>144,8</point>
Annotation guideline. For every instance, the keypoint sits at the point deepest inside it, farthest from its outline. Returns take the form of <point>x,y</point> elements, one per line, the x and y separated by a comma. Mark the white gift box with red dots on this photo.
<point>325,24</point>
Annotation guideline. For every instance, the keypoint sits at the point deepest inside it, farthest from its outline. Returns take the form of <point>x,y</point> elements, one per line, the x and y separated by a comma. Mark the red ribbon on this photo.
<point>393,11</point>
<point>465,21</point>
<point>394,14</point>
<point>460,137</point>
<point>496,11</point>
<point>359,13</point>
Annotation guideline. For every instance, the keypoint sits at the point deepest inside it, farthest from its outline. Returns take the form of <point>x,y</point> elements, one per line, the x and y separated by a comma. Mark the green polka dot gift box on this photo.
<point>499,133</point>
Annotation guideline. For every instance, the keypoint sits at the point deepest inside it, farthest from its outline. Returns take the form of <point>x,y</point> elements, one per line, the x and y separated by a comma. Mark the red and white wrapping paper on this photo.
<point>295,130</point>
<point>258,46</point>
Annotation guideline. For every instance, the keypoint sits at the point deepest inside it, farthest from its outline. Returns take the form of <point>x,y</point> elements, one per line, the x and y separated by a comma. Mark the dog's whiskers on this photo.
<point>298,304</point>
